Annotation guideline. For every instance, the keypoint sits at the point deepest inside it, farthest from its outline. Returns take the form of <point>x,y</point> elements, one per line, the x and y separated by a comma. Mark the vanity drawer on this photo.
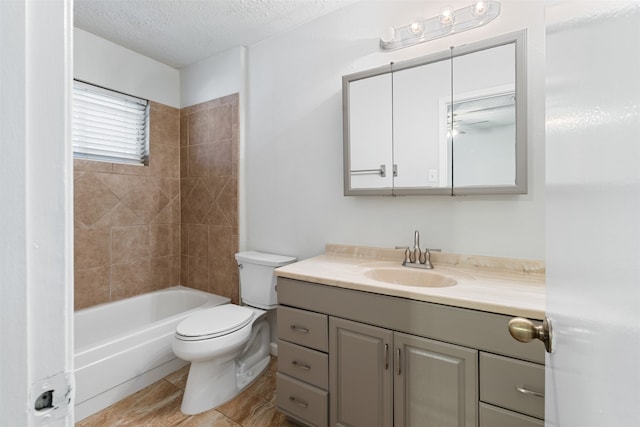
<point>304,364</point>
<point>512,384</point>
<point>301,400</point>
<point>490,416</point>
<point>303,327</point>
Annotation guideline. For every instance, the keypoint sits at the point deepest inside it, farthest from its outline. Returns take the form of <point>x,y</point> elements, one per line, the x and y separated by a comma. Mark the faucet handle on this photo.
<point>407,254</point>
<point>425,258</point>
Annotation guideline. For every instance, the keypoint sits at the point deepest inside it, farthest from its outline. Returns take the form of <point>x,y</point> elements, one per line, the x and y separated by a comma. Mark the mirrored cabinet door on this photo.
<point>369,158</point>
<point>454,122</point>
<point>420,147</point>
<point>483,118</point>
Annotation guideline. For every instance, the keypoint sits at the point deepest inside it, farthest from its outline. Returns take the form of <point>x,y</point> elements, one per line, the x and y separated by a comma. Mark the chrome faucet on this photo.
<point>416,258</point>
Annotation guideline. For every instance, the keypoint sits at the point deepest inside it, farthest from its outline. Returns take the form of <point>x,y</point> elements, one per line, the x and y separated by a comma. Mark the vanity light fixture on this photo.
<point>449,21</point>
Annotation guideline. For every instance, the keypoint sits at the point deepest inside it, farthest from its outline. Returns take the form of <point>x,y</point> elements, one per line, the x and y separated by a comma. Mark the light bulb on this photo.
<point>480,7</point>
<point>446,16</point>
<point>416,27</point>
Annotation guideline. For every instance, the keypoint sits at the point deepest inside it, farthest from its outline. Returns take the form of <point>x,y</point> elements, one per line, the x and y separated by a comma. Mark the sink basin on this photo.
<point>408,277</point>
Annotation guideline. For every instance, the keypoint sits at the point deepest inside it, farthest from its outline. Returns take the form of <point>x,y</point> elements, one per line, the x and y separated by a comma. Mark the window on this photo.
<point>109,126</point>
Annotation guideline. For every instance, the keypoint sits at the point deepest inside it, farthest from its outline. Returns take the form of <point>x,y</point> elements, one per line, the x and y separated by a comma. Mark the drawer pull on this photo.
<point>529,392</point>
<point>300,365</point>
<point>299,402</point>
<point>300,329</point>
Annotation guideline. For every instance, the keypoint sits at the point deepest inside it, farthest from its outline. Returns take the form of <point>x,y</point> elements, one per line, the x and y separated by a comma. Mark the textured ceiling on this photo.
<point>182,32</point>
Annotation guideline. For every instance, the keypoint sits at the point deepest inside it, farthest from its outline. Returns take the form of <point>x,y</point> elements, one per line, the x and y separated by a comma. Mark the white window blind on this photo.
<point>109,126</point>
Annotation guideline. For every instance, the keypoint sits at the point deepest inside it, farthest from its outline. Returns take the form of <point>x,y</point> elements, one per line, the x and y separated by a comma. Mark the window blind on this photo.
<point>108,125</point>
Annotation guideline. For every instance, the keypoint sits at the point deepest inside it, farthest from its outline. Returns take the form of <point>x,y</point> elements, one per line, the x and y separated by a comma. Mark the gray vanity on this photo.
<point>354,351</point>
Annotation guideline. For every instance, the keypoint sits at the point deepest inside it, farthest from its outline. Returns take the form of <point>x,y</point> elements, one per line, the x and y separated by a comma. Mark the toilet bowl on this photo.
<point>229,345</point>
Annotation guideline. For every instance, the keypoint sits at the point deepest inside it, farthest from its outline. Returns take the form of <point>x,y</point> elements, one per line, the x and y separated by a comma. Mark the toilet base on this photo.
<point>212,383</point>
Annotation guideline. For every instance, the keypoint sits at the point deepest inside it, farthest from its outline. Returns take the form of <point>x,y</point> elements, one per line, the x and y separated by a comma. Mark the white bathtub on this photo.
<point>123,346</point>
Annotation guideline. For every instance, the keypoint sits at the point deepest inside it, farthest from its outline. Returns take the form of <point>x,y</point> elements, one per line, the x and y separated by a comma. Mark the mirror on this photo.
<point>449,123</point>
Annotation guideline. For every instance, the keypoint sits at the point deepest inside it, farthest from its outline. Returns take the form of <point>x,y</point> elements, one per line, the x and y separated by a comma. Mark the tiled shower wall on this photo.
<point>209,193</point>
<point>128,218</point>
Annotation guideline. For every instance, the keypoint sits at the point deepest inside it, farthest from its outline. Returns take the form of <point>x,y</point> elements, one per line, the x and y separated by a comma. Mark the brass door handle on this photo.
<point>524,330</point>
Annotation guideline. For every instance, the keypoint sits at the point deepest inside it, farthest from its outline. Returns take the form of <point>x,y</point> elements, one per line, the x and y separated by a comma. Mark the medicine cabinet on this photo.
<point>453,122</point>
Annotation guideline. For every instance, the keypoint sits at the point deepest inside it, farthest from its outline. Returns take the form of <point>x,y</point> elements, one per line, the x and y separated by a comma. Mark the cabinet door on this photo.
<point>435,384</point>
<point>369,135</point>
<point>360,374</point>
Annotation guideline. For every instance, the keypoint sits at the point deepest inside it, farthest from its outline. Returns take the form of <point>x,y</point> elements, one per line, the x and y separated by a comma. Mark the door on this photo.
<point>435,383</point>
<point>36,208</point>
<point>360,374</point>
<point>593,214</point>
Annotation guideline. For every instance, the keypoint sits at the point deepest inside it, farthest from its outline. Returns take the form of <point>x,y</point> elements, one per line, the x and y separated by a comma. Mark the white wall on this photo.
<point>294,189</point>
<point>107,64</point>
<point>212,78</point>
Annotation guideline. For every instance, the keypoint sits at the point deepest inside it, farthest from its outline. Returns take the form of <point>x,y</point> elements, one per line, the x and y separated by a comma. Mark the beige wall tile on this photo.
<point>199,160</point>
<point>119,184</point>
<point>146,200</point>
<point>91,287</point>
<point>130,169</point>
<point>222,120</point>
<point>91,199</point>
<point>220,158</point>
<point>198,273</point>
<point>169,186</point>
<point>92,166</point>
<point>130,279</point>
<point>92,248</point>
<point>198,240</point>
<point>120,214</point>
<point>199,127</point>
<point>163,161</point>
<point>165,128</point>
<point>184,131</point>
<point>170,214</point>
<point>129,243</point>
<point>161,271</point>
<point>217,217</point>
<point>161,239</point>
<point>162,108</point>
<point>199,202</point>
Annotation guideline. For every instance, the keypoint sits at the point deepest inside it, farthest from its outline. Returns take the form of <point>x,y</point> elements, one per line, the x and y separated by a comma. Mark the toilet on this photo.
<point>229,345</point>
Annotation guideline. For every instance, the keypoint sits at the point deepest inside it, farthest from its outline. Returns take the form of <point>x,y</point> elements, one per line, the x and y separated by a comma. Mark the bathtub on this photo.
<point>123,346</point>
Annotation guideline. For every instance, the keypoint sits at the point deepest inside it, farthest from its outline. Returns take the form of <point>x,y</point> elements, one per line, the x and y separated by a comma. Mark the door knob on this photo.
<point>524,330</point>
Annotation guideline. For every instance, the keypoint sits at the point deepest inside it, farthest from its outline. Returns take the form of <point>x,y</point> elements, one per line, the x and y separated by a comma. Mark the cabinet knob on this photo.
<point>524,330</point>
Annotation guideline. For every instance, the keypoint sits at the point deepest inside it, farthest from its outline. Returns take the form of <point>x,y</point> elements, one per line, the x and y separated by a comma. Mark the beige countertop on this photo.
<point>508,286</point>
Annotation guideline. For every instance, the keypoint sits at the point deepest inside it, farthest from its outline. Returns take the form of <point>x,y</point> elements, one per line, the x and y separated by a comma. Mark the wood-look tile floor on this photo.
<point>159,406</point>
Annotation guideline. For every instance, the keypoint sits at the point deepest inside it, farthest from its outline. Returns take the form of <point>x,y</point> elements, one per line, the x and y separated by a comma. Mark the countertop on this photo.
<point>507,286</point>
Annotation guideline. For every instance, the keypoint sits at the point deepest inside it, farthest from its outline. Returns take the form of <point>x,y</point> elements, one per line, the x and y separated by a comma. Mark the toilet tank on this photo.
<point>257,281</point>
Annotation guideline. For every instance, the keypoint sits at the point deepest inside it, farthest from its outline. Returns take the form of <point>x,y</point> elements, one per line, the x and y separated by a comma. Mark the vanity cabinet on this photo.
<point>360,374</point>
<point>302,379</point>
<point>393,361</point>
<point>384,378</point>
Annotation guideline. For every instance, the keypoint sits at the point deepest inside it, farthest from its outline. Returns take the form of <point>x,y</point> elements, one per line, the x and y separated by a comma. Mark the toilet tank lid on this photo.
<point>262,258</point>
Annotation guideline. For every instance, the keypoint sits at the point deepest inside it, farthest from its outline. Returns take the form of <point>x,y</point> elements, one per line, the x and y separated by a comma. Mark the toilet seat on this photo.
<point>214,322</point>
